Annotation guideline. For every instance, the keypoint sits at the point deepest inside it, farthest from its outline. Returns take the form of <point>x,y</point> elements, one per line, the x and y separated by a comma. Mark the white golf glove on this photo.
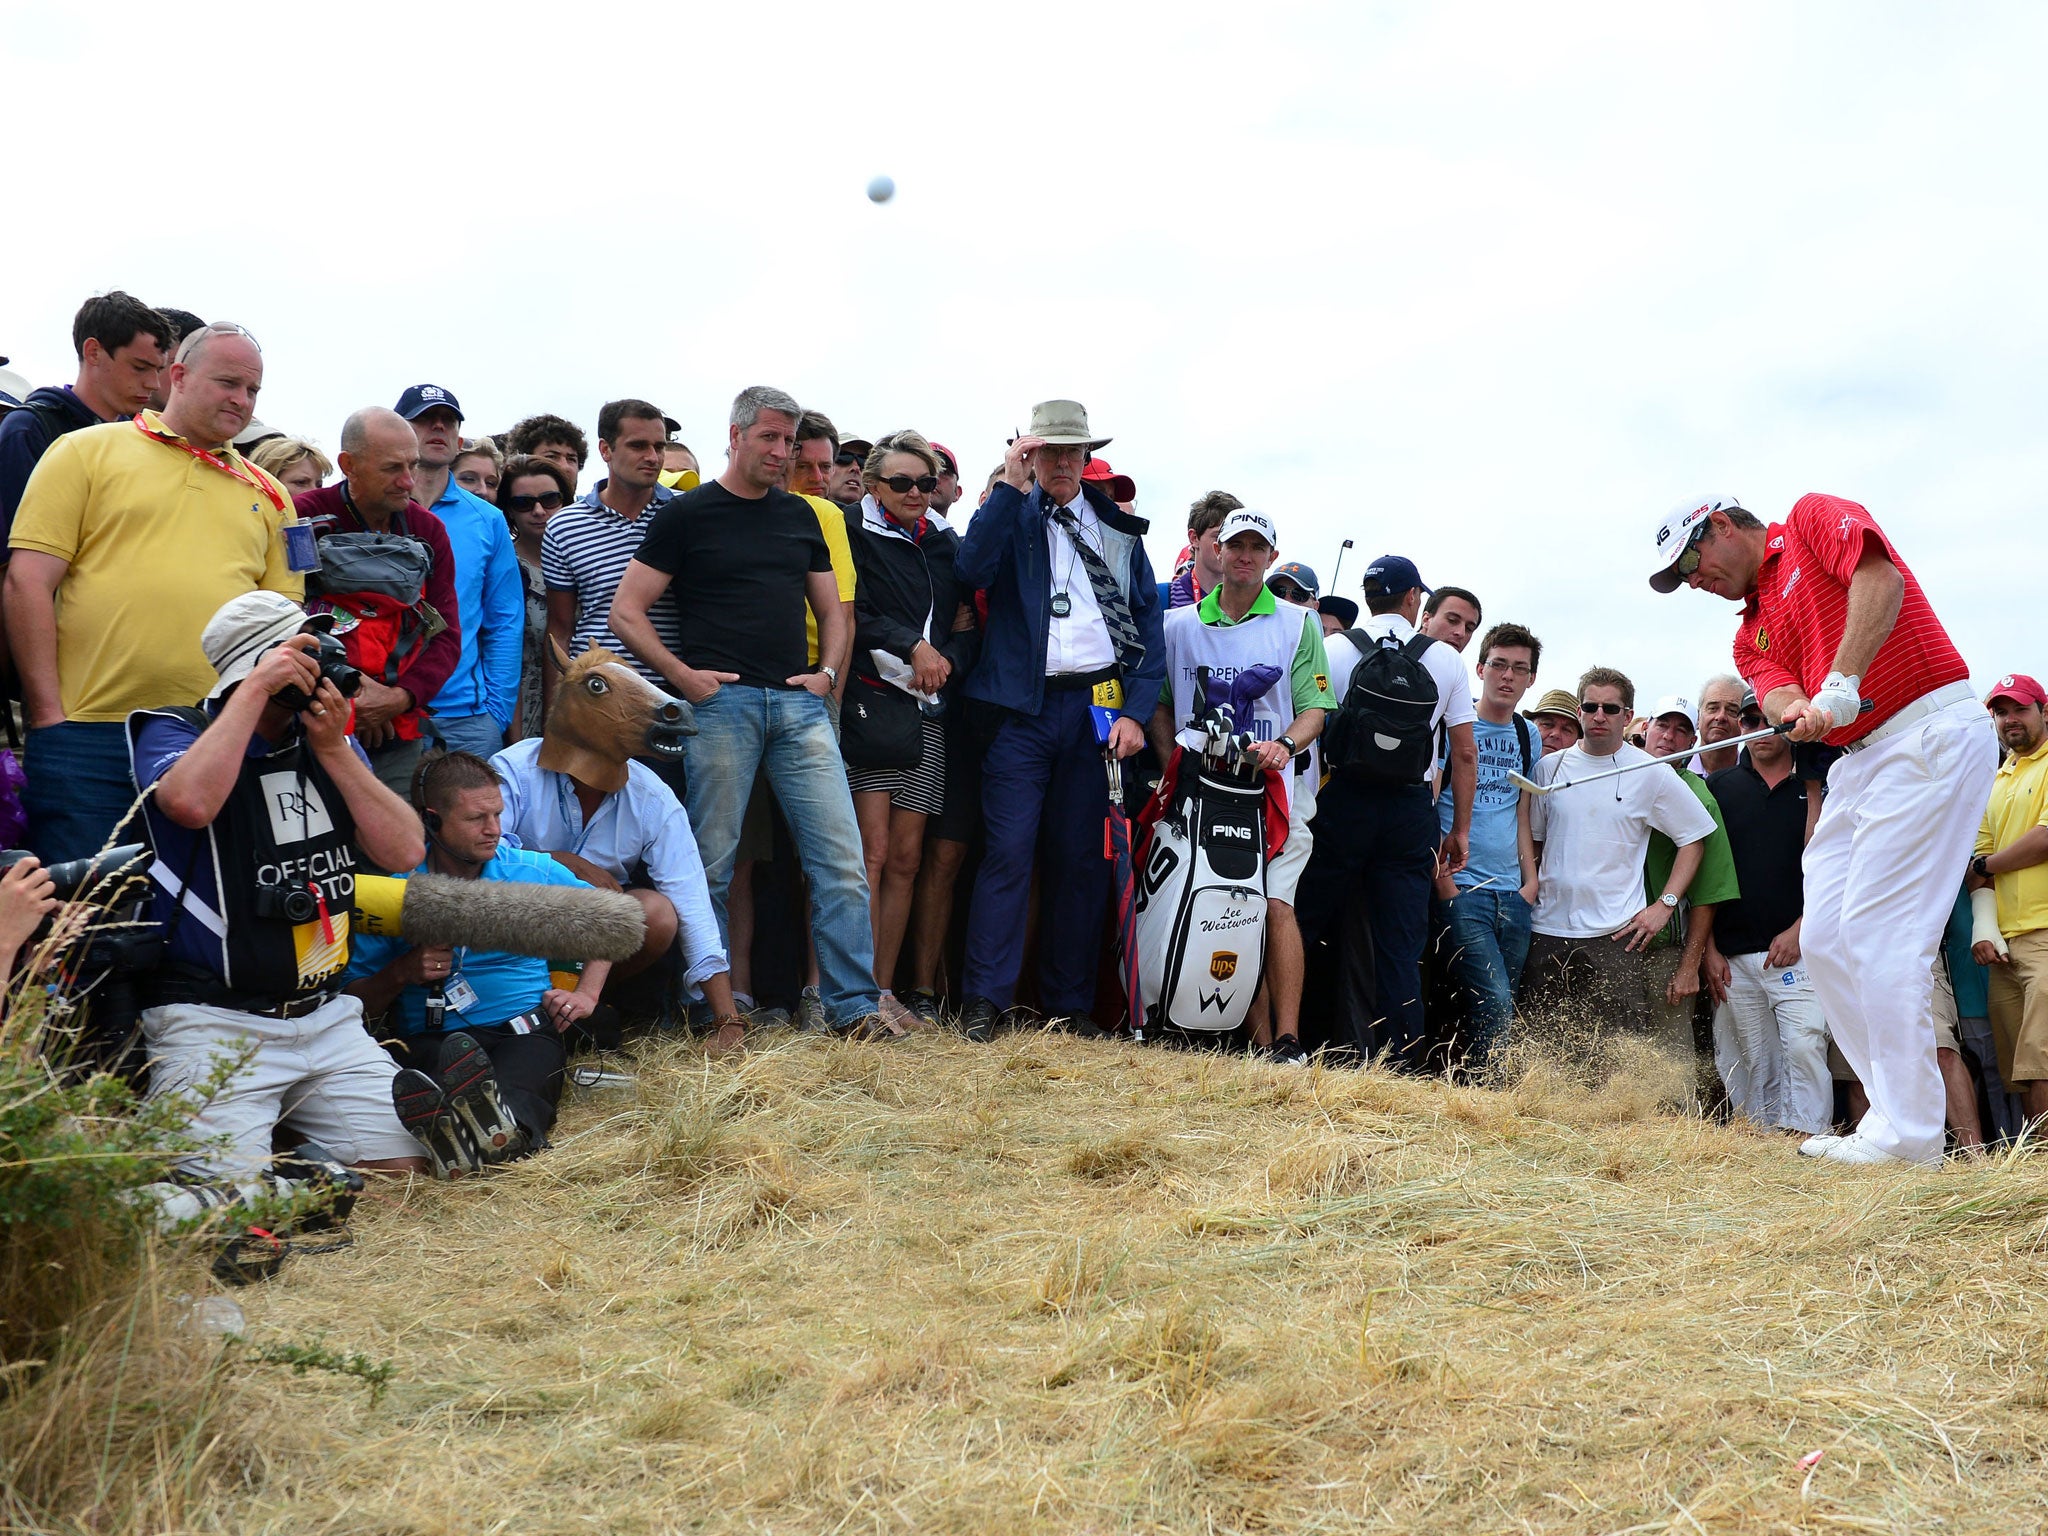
<point>1841,697</point>
<point>1984,919</point>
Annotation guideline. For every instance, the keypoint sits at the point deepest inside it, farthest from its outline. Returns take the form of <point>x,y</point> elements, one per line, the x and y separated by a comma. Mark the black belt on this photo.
<point>1066,682</point>
<point>182,982</point>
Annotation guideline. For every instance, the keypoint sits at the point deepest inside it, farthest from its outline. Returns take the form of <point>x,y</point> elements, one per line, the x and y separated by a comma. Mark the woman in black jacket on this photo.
<point>913,635</point>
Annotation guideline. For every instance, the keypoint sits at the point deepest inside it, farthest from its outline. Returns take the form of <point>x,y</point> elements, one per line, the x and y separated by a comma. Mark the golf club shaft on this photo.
<point>1672,757</point>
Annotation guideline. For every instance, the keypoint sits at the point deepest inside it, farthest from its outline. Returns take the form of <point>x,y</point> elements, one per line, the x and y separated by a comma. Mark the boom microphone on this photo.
<point>548,922</point>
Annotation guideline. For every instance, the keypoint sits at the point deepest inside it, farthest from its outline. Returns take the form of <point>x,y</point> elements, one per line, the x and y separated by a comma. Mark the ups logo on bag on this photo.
<point>1222,964</point>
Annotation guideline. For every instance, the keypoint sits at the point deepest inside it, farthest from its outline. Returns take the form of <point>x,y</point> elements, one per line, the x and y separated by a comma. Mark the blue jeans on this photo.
<point>480,734</point>
<point>787,731</point>
<point>79,789</point>
<point>1487,945</point>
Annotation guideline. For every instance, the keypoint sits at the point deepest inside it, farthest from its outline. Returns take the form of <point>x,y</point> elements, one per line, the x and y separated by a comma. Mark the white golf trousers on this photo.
<point>1881,876</point>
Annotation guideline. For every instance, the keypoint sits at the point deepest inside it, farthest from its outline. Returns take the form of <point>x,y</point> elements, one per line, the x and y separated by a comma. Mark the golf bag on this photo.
<point>1201,902</point>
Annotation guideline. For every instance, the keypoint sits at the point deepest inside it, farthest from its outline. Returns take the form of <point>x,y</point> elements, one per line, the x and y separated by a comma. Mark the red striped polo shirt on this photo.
<point>1792,623</point>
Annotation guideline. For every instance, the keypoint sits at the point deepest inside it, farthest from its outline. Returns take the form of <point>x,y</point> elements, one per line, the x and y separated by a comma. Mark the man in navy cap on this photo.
<point>476,704</point>
<point>1377,836</point>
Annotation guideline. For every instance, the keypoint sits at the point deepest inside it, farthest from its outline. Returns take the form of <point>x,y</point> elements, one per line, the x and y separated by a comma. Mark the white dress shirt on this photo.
<point>1080,641</point>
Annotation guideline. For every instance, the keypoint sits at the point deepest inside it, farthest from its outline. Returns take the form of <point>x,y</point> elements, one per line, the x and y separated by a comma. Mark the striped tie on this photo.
<point>1116,613</point>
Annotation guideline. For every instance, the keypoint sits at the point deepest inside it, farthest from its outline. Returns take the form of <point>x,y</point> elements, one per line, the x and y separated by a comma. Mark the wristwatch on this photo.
<point>831,673</point>
<point>1977,867</point>
<point>1292,749</point>
<point>1669,900</point>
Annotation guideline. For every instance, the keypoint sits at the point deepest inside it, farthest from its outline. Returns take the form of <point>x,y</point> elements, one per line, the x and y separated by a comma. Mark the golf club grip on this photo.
<point>1785,725</point>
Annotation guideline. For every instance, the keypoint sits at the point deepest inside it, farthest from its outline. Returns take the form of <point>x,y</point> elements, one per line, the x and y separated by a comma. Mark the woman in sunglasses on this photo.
<point>530,491</point>
<point>913,636</point>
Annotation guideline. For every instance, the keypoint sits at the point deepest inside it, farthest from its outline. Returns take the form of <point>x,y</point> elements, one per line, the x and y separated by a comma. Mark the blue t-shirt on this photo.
<point>1496,860</point>
<point>506,985</point>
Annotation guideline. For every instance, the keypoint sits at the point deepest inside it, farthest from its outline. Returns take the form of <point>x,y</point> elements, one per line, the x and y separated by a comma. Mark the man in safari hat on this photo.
<point>1073,621</point>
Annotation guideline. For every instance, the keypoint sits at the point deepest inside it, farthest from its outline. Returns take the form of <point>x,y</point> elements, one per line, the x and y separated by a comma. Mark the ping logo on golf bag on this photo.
<point>1160,864</point>
<point>1230,837</point>
<point>1222,964</point>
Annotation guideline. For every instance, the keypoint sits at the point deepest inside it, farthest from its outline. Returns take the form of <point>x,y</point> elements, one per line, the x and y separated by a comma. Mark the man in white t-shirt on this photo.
<point>1376,836</point>
<point>1592,931</point>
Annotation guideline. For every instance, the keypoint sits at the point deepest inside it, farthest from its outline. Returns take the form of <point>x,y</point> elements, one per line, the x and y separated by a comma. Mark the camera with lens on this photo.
<point>288,903</point>
<point>331,657</point>
<point>74,876</point>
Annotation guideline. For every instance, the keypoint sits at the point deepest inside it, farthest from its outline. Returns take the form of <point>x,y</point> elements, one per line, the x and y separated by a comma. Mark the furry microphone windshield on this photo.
<point>550,922</point>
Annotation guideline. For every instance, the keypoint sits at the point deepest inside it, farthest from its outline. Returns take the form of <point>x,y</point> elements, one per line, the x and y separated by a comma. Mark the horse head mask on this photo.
<point>604,713</point>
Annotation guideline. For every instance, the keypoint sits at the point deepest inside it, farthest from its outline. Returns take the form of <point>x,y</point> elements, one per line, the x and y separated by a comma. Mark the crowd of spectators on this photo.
<point>887,814</point>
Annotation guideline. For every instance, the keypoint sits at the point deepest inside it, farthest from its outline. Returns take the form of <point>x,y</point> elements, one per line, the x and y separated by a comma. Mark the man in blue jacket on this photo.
<point>475,706</point>
<point>1073,609</point>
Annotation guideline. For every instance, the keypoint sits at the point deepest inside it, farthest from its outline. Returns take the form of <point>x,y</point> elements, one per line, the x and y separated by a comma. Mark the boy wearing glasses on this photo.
<point>379,459</point>
<point>1587,962</point>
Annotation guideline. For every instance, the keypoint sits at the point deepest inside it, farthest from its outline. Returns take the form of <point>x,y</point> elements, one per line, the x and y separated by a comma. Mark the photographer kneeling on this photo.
<point>260,806</point>
<point>454,1005</point>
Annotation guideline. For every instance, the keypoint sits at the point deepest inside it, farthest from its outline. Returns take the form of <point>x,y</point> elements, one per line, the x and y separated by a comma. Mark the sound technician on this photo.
<point>451,1003</point>
<point>260,809</point>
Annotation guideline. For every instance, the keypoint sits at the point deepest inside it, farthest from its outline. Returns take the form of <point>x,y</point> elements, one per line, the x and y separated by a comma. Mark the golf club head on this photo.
<point>1523,782</point>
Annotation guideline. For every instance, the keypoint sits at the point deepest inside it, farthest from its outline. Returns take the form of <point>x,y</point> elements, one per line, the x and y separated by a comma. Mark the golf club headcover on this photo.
<point>1239,692</point>
<point>555,922</point>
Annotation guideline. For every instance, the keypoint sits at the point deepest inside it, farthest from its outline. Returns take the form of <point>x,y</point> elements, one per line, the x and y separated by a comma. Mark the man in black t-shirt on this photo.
<point>1770,1040</point>
<point>743,559</point>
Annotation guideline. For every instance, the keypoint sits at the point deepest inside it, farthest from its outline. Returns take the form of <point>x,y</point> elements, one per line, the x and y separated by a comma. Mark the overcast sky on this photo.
<point>1489,286</point>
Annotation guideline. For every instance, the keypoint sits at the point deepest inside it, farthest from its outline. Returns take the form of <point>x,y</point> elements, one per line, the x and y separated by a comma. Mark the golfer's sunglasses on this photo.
<point>1689,557</point>
<point>1591,708</point>
<point>901,484</point>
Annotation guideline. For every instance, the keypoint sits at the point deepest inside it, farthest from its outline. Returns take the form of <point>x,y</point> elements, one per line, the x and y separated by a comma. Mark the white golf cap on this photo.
<point>1245,520</point>
<point>1676,531</point>
<point>244,627</point>
<point>1674,704</point>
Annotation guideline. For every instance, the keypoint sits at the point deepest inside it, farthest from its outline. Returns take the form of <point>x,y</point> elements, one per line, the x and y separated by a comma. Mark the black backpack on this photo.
<point>1381,732</point>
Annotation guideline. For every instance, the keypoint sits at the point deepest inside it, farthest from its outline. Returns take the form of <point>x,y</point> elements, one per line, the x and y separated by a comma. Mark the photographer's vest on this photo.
<point>284,826</point>
<point>1267,639</point>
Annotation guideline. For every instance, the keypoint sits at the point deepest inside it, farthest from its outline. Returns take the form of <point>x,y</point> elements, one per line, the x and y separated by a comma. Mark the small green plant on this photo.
<point>374,1374</point>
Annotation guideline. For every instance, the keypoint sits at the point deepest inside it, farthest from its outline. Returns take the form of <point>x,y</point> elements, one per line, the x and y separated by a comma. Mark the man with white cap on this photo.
<point>1238,626</point>
<point>1832,617</point>
<point>1072,660</point>
<point>260,809</point>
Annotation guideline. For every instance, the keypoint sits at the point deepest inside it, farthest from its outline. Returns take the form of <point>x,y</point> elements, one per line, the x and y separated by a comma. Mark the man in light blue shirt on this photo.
<point>599,834</point>
<point>475,706</point>
<point>1482,913</point>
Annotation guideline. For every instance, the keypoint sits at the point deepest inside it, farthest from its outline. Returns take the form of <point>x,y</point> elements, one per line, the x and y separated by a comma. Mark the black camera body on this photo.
<point>288,903</point>
<point>331,657</point>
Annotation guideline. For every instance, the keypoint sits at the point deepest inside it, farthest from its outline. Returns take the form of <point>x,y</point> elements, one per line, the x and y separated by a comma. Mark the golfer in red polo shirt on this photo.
<point>1831,617</point>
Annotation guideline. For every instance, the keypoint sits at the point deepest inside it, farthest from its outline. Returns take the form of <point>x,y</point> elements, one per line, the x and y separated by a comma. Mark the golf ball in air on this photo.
<point>881,189</point>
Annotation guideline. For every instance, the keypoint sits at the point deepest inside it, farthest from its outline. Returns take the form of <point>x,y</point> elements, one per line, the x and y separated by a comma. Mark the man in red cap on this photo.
<point>2009,891</point>
<point>1121,489</point>
<point>1831,618</point>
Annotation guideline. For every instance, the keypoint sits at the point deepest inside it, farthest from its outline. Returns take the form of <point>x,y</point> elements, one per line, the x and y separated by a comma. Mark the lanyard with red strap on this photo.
<point>233,471</point>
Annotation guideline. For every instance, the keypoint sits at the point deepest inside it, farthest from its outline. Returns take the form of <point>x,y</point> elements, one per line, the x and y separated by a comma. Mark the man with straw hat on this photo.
<point>1072,660</point>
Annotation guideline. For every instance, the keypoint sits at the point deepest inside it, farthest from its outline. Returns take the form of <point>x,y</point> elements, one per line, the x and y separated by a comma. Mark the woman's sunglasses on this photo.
<point>1591,708</point>
<point>901,484</point>
<point>547,501</point>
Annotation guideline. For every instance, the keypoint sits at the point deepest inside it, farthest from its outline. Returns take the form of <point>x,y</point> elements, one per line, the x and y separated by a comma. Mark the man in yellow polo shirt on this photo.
<point>2009,892</point>
<point>130,536</point>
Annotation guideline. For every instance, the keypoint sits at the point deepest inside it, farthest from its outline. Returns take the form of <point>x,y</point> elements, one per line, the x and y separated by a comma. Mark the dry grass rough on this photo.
<point>1079,1287</point>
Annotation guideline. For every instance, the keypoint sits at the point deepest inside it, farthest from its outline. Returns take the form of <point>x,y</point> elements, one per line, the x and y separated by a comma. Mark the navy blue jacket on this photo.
<point>25,438</point>
<point>1004,551</point>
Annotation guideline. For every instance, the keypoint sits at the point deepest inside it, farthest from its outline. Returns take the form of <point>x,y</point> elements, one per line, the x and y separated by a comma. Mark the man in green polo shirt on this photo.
<point>1237,626</point>
<point>1672,977</point>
